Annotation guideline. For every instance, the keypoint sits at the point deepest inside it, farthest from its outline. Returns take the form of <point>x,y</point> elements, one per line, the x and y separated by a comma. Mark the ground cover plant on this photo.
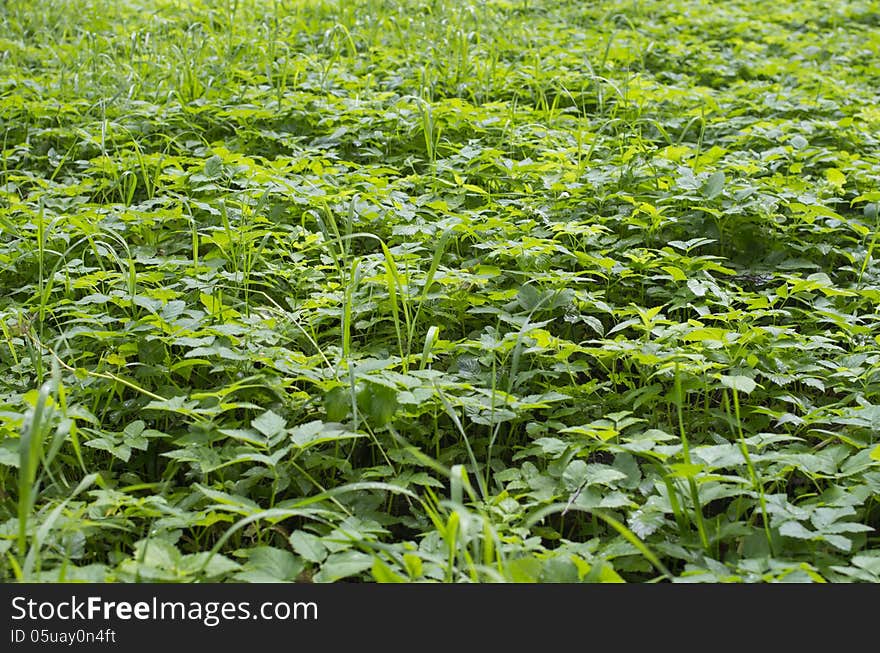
<point>429,290</point>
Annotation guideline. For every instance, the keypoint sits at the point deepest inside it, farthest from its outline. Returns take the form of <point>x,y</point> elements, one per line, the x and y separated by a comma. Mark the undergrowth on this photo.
<point>427,290</point>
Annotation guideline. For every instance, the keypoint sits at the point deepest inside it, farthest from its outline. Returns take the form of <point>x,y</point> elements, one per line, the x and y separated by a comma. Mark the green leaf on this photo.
<point>714,185</point>
<point>317,432</point>
<point>413,564</point>
<point>240,504</point>
<point>740,383</point>
<point>551,446</point>
<point>578,472</point>
<point>528,297</point>
<point>796,530</point>
<point>798,142</point>
<point>524,570</point>
<point>158,553</point>
<point>382,573</point>
<point>308,546</point>
<point>9,454</point>
<point>575,474</point>
<point>211,565</point>
<point>269,423</point>
<point>213,167</point>
<point>267,564</point>
<point>337,403</point>
<point>119,450</point>
<point>646,521</point>
<point>675,273</point>
<point>342,565</point>
<point>378,403</point>
<point>685,470</point>
<point>836,177</point>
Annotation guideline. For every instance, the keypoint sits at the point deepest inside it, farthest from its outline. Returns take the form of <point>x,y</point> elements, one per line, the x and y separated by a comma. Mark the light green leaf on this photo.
<point>836,177</point>
<point>343,565</point>
<point>715,185</point>
<point>316,432</point>
<point>267,564</point>
<point>796,530</point>
<point>739,383</point>
<point>382,573</point>
<point>308,546</point>
<point>269,423</point>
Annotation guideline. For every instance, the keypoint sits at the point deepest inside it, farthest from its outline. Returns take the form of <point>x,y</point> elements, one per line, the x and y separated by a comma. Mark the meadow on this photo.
<point>439,291</point>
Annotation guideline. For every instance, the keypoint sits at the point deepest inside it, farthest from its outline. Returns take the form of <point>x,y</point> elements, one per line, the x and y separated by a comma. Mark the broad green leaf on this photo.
<point>714,185</point>
<point>796,530</point>
<point>266,564</point>
<point>382,573</point>
<point>738,382</point>
<point>337,403</point>
<point>343,565</point>
<point>211,565</point>
<point>836,177</point>
<point>378,403</point>
<point>318,432</point>
<point>241,504</point>
<point>213,167</point>
<point>9,455</point>
<point>308,546</point>
<point>675,273</point>
<point>269,423</point>
<point>413,564</point>
<point>645,522</point>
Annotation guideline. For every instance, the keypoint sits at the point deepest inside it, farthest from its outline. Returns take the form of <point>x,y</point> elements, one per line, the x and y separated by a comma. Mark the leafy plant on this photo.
<point>439,292</point>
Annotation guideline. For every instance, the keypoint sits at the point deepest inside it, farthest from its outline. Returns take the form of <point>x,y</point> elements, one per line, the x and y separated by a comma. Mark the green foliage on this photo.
<point>420,291</point>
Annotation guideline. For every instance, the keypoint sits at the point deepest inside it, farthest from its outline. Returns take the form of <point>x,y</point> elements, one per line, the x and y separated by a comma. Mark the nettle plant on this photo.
<point>438,292</point>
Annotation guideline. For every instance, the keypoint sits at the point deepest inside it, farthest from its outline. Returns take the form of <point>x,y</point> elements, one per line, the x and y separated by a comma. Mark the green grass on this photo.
<point>426,290</point>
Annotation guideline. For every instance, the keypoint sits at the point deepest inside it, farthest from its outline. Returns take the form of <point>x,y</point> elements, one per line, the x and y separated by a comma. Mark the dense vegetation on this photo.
<point>404,290</point>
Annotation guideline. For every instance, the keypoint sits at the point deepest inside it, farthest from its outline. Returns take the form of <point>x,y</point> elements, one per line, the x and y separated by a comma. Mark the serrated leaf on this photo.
<point>316,432</point>
<point>134,429</point>
<point>739,383</point>
<point>798,142</point>
<point>217,564</point>
<point>869,561</point>
<point>308,546</point>
<point>551,446</point>
<point>697,287</point>
<point>267,564</point>
<point>598,474</point>
<point>213,167</point>
<point>575,474</point>
<point>644,522</point>
<point>241,504</point>
<point>119,450</point>
<point>158,553</point>
<point>838,541</point>
<point>528,297</point>
<point>796,530</point>
<point>269,424</point>
<point>343,565</point>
